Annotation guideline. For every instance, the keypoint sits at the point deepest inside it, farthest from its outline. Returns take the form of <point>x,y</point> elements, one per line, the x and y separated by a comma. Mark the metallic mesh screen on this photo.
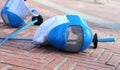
<point>74,38</point>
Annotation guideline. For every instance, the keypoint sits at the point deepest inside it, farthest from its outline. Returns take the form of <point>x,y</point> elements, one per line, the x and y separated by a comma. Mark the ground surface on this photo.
<point>103,20</point>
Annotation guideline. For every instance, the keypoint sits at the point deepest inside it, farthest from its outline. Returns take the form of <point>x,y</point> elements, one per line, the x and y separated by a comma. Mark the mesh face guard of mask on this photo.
<point>74,38</point>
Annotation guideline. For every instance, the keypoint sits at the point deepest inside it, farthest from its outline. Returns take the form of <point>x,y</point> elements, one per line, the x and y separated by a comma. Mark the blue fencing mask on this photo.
<point>74,36</point>
<point>67,33</point>
<point>16,12</point>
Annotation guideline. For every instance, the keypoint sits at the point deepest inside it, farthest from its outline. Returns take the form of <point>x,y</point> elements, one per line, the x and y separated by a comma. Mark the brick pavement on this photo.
<point>23,55</point>
<point>109,11</point>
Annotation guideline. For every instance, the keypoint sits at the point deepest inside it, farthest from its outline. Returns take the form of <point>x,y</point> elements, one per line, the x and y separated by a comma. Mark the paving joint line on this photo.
<point>91,52</point>
<point>109,58</point>
<point>61,64</point>
<point>73,66</point>
<point>101,54</point>
<point>116,65</point>
<point>44,65</point>
<point>16,65</point>
<point>7,67</point>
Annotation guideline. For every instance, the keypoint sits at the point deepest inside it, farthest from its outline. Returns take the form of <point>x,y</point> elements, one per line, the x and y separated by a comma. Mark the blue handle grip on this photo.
<point>106,40</point>
<point>18,31</point>
<point>26,39</point>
